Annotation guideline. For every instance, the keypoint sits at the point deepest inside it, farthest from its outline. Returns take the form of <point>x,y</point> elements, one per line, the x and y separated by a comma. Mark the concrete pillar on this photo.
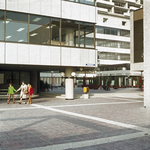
<point>35,81</point>
<point>70,37</point>
<point>146,23</point>
<point>69,87</point>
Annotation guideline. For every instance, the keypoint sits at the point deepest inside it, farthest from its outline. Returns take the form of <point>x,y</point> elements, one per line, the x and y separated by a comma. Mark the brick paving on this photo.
<point>93,124</point>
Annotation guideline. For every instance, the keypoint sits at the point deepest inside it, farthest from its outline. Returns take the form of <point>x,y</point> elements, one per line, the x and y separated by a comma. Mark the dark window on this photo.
<point>55,32</point>
<point>16,16</point>
<point>39,32</point>
<point>69,33</point>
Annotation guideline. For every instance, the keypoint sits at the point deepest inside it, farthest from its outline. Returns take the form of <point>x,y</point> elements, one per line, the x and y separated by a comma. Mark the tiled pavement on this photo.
<point>96,124</point>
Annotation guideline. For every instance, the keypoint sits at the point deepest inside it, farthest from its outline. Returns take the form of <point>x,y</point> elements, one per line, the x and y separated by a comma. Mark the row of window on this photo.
<point>113,56</point>
<point>113,68</point>
<point>36,29</point>
<point>113,44</point>
<point>112,31</point>
<point>88,2</point>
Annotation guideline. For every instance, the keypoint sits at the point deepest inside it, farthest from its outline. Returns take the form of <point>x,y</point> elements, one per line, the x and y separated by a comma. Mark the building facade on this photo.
<point>45,35</point>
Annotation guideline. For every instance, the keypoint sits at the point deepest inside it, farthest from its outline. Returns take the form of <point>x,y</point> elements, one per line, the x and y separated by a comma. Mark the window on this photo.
<point>112,43</point>
<point>70,32</point>
<point>123,23</point>
<point>89,2</point>
<point>16,27</point>
<point>1,25</point>
<point>55,32</point>
<point>39,30</point>
<point>86,35</point>
<point>105,20</point>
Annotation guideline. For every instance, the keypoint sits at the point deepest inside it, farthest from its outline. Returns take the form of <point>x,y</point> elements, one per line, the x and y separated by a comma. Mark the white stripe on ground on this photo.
<point>94,118</point>
<point>91,142</point>
<point>3,109</point>
<point>93,104</point>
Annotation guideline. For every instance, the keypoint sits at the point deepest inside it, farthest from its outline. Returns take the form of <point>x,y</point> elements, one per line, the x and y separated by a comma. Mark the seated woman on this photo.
<point>30,93</point>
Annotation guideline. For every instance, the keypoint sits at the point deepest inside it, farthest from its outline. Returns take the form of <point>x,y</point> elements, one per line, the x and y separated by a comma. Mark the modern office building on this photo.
<point>113,36</point>
<point>112,40</point>
<point>140,46</point>
<point>45,35</point>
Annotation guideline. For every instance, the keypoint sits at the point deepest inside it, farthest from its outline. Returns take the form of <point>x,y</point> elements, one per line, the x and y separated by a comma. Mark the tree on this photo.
<point>116,81</point>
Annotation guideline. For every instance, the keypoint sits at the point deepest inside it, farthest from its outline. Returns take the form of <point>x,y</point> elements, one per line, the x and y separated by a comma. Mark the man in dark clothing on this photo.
<point>107,85</point>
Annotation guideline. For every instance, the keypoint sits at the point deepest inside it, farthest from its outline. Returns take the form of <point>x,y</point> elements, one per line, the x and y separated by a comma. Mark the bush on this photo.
<point>116,81</point>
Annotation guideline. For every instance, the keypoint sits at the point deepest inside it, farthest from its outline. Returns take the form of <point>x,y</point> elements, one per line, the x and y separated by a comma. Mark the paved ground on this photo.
<point>105,123</point>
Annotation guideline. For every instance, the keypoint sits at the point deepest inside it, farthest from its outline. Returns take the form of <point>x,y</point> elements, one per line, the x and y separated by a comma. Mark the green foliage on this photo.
<point>116,81</point>
<point>138,82</point>
<point>95,80</point>
<point>123,81</point>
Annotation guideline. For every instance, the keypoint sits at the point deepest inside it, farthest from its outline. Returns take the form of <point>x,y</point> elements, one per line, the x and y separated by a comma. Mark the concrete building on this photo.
<point>113,36</point>
<point>140,46</point>
<point>45,35</point>
<point>112,40</point>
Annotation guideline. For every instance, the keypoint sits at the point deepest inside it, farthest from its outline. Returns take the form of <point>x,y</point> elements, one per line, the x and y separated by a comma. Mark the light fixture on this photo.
<point>62,74</point>
<point>20,29</point>
<point>81,69</point>
<point>34,34</point>
<point>73,74</point>
<point>48,27</point>
<point>37,19</point>
<point>20,40</point>
<point>6,22</point>
<point>7,37</point>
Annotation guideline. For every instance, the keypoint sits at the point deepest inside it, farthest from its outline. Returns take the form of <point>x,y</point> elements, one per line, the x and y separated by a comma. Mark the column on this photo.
<point>70,37</point>
<point>146,24</point>
<point>35,80</point>
<point>69,87</point>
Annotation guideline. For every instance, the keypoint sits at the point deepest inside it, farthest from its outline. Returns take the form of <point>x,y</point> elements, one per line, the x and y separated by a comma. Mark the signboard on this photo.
<point>92,65</point>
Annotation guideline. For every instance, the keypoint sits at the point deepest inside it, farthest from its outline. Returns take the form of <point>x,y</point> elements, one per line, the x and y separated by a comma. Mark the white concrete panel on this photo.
<point>12,4</point>
<point>113,50</point>
<point>137,66</point>
<point>54,55</point>
<point>2,55</point>
<point>56,8</point>
<point>2,4</point>
<point>45,55</point>
<point>46,7</point>
<point>113,62</point>
<point>66,56</point>
<point>75,57</point>
<point>78,11</point>
<point>113,21</point>
<point>11,53</point>
<point>23,54</point>
<point>23,6</point>
<point>91,56</point>
<point>84,57</point>
<point>35,6</point>
<point>112,37</point>
<point>34,54</point>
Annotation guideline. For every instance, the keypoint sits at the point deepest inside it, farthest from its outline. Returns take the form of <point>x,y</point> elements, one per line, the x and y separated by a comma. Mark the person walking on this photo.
<point>23,92</point>
<point>10,93</point>
<point>108,85</point>
<point>30,93</point>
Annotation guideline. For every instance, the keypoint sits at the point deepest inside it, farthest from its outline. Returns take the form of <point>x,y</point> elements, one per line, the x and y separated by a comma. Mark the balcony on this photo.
<point>105,4</point>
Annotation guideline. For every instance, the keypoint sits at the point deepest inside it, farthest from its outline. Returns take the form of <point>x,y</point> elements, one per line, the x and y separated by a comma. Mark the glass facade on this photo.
<point>112,31</point>
<point>35,29</point>
<point>1,25</point>
<point>88,2</point>
<point>113,56</point>
<point>113,44</point>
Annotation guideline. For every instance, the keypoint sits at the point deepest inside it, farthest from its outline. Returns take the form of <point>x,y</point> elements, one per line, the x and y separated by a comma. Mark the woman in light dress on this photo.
<point>23,89</point>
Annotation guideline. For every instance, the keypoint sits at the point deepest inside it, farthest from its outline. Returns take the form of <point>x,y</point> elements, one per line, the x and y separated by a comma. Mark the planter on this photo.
<point>122,86</point>
<point>116,86</point>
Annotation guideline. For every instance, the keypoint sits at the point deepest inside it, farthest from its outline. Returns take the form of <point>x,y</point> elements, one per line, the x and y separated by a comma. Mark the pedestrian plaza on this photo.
<point>102,123</point>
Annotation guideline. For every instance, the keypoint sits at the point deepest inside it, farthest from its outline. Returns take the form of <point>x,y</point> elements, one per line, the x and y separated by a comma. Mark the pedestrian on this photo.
<point>108,85</point>
<point>10,93</point>
<point>30,93</point>
<point>23,92</point>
